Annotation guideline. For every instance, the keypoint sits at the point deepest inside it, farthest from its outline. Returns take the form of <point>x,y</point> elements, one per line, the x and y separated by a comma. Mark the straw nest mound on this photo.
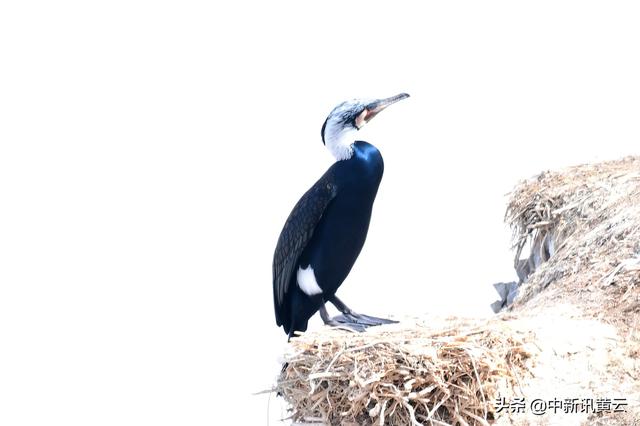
<point>403,375</point>
<point>582,227</point>
<point>571,333</point>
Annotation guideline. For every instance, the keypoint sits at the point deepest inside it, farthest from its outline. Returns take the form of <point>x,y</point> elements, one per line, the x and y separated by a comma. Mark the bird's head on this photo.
<point>349,117</point>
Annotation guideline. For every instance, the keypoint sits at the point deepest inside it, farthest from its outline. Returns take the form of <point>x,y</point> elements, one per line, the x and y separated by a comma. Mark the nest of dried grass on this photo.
<point>582,224</point>
<point>403,374</point>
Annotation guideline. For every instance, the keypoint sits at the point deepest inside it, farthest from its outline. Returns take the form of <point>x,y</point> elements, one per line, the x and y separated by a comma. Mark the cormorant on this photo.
<point>326,230</point>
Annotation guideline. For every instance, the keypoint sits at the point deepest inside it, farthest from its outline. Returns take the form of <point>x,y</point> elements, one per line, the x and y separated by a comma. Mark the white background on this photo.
<point>151,151</point>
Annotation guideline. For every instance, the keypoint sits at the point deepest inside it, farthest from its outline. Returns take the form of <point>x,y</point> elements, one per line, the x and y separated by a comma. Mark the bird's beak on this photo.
<point>373,108</point>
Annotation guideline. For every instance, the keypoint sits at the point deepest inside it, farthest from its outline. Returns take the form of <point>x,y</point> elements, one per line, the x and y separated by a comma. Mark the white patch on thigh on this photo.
<point>307,281</point>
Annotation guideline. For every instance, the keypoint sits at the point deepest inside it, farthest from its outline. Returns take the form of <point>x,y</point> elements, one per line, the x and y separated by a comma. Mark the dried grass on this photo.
<point>589,215</point>
<point>403,374</point>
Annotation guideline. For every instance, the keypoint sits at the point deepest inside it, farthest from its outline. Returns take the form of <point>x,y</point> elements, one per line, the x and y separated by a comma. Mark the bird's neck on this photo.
<point>339,141</point>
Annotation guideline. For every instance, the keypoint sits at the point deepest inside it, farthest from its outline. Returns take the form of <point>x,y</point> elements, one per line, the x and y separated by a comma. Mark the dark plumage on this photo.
<point>327,228</point>
<point>295,237</point>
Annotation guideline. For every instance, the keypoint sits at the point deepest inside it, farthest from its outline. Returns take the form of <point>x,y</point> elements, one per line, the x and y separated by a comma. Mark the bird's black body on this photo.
<point>326,229</point>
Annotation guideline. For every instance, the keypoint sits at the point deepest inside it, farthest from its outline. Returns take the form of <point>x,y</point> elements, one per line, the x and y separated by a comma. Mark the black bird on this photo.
<point>326,230</point>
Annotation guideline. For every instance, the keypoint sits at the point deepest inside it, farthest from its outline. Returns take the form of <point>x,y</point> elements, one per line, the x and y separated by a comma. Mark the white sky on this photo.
<point>151,151</point>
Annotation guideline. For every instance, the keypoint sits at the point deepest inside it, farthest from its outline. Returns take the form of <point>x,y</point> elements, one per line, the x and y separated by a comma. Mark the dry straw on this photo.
<point>403,374</point>
<point>589,218</point>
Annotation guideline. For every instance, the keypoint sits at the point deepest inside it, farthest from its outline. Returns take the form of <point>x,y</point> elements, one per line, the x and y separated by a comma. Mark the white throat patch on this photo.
<point>307,281</point>
<point>338,140</point>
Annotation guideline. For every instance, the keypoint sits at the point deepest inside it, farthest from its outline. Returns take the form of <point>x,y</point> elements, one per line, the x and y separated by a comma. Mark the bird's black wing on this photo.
<point>295,236</point>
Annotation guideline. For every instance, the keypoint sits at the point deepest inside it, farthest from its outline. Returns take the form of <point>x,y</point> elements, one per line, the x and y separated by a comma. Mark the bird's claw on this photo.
<point>372,320</point>
<point>358,322</point>
<point>342,322</point>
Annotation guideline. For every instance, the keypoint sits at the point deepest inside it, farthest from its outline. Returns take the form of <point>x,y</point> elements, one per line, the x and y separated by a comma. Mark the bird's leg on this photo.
<point>339,321</point>
<point>351,316</point>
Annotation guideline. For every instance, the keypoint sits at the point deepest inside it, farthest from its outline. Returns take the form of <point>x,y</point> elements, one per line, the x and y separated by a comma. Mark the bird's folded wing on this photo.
<point>296,234</point>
